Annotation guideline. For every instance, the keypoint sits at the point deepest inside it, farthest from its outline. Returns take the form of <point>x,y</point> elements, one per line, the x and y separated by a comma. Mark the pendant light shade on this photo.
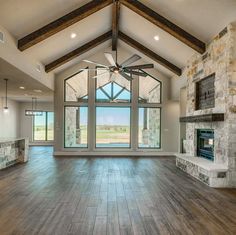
<point>34,111</point>
<point>6,109</point>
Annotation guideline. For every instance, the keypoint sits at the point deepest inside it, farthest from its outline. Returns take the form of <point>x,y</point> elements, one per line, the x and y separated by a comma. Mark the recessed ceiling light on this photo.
<point>38,91</point>
<point>22,87</point>
<point>157,38</point>
<point>73,35</point>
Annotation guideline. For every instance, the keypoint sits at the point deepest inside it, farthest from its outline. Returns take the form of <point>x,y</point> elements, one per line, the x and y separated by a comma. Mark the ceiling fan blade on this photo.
<point>131,60</point>
<point>110,59</point>
<point>93,62</point>
<point>142,66</point>
<point>126,76</point>
<point>142,74</point>
<point>94,69</point>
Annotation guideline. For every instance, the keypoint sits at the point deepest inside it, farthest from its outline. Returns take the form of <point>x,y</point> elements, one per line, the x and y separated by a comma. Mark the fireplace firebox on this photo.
<point>205,144</point>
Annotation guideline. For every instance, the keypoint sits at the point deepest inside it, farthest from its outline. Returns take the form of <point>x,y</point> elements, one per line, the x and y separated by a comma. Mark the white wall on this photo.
<point>10,53</point>
<point>26,122</point>
<point>9,122</point>
<point>170,126</point>
<point>177,83</point>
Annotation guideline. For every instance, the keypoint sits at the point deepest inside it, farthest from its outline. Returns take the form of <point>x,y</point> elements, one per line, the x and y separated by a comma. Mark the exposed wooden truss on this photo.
<point>144,50</point>
<point>88,46</point>
<point>77,52</point>
<point>115,23</point>
<point>62,23</point>
<point>96,5</point>
<point>165,24</point>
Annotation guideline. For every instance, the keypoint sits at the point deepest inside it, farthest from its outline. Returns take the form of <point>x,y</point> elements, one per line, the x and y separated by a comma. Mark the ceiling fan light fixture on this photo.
<point>116,70</point>
<point>125,69</point>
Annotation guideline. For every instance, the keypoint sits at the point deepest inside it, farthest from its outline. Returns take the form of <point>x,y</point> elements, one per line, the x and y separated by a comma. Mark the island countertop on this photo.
<point>7,140</point>
<point>13,151</point>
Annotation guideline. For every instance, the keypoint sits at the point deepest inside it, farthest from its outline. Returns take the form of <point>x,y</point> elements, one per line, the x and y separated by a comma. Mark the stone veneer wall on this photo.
<point>70,121</point>
<point>13,152</point>
<point>154,127</point>
<point>151,137</point>
<point>220,58</point>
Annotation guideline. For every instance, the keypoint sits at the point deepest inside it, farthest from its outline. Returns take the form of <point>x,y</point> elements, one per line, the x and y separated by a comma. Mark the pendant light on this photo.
<point>6,109</point>
<point>34,111</point>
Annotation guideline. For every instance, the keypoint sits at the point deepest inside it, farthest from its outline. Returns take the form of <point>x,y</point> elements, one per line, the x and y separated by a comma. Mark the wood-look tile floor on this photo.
<point>68,195</point>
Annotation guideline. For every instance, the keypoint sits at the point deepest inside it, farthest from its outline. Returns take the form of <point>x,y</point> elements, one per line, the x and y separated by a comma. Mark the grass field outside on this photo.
<point>40,133</point>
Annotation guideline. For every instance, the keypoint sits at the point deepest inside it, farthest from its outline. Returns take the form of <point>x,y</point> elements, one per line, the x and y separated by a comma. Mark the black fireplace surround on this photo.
<point>205,144</point>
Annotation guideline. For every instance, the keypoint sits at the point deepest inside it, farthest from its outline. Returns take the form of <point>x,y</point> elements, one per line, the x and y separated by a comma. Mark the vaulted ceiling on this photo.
<point>202,19</point>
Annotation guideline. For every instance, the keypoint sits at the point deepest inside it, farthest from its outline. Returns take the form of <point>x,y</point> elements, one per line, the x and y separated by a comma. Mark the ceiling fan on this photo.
<point>124,69</point>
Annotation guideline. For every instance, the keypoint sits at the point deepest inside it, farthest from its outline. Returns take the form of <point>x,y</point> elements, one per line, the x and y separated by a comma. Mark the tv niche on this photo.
<point>205,93</point>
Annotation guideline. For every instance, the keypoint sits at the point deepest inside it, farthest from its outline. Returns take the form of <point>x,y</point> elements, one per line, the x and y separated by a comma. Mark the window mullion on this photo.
<point>91,110</point>
<point>46,126</point>
<point>134,114</point>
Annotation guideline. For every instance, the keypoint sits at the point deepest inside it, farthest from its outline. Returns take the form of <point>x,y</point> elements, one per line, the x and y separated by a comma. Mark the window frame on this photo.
<point>109,102</point>
<point>130,120</point>
<point>64,99</point>
<point>133,105</point>
<point>46,128</point>
<point>160,89</point>
<point>64,131</point>
<point>159,147</point>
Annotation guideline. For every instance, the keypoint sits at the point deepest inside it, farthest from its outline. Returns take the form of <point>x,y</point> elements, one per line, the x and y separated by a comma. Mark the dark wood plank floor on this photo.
<point>69,195</point>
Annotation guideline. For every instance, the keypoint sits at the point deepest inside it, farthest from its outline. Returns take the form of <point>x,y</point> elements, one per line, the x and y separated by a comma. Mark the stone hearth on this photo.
<point>219,59</point>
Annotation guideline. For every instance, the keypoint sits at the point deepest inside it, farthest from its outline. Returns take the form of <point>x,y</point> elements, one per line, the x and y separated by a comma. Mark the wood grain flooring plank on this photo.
<point>110,196</point>
<point>100,226</point>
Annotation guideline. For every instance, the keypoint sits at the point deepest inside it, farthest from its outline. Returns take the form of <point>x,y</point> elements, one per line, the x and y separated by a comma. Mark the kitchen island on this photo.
<point>13,151</point>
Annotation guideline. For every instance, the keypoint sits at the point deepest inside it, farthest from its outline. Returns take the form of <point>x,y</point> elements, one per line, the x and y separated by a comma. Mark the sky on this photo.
<point>113,116</point>
<point>41,120</point>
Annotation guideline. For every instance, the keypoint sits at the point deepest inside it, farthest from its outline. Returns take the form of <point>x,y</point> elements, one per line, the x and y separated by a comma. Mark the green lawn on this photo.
<point>111,134</point>
<point>40,133</point>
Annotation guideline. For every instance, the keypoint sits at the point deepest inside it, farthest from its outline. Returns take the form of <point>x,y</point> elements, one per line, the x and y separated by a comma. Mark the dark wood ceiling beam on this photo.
<point>165,24</point>
<point>115,23</point>
<point>62,23</point>
<point>77,52</point>
<point>160,60</point>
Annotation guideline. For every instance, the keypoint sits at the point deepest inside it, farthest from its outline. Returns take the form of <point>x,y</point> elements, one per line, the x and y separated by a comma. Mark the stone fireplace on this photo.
<point>205,143</point>
<point>211,113</point>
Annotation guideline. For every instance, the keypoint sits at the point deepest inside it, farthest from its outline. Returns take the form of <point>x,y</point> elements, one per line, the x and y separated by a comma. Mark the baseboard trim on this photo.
<point>116,154</point>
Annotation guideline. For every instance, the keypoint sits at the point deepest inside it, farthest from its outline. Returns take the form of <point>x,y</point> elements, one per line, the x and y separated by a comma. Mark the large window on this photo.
<point>149,127</point>
<point>43,127</point>
<point>76,116</point>
<point>149,90</point>
<point>104,110</point>
<point>112,127</point>
<point>112,88</point>
<point>76,87</point>
<point>76,127</point>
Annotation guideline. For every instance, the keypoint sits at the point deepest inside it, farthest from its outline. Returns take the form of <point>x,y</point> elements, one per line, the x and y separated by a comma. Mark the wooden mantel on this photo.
<point>213,117</point>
